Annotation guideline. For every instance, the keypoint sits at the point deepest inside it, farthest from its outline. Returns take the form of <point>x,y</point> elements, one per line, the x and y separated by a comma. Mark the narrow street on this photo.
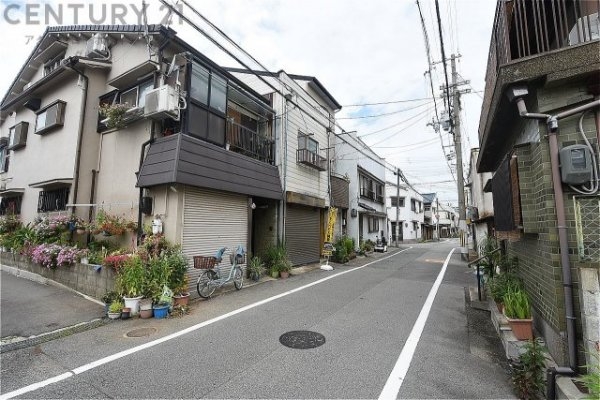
<point>230,347</point>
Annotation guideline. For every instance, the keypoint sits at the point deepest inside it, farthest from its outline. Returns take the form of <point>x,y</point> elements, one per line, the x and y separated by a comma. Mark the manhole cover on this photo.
<point>141,332</point>
<point>302,339</point>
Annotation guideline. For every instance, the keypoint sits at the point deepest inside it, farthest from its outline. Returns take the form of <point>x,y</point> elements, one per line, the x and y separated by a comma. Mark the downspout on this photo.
<point>517,94</point>
<point>70,64</point>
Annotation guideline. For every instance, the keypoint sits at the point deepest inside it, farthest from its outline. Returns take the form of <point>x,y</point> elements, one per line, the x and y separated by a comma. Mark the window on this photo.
<point>4,157</point>
<point>199,86</point>
<point>413,205</point>
<point>53,200</point>
<point>50,117</point>
<point>373,224</point>
<point>17,136</point>
<point>218,93</point>
<point>11,205</point>
<point>428,207</point>
<point>379,193</point>
<point>395,201</point>
<point>366,187</point>
<point>136,96</point>
<point>307,143</point>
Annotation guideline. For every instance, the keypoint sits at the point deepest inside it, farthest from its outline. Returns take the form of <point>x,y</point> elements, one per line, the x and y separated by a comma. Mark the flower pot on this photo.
<point>145,314</point>
<point>275,274</point>
<point>161,310</point>
<point>284,274</point>
<point>145,304</point>
<point>255,276</point>
<point>114,315</point>
<point>133,303</point>
<point>126,313</point>
<point>522,328</point>
<point>181,299</point>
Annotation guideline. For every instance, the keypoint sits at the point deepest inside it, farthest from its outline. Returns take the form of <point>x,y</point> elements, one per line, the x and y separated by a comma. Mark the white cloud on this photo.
<point>362,51</point>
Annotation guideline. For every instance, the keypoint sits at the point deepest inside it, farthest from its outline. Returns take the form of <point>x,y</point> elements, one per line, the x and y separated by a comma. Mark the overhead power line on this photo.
<point>386,114</point>
<point>387,102</point>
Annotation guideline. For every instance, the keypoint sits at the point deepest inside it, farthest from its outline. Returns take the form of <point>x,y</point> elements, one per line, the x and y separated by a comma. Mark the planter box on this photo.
<point>522,328</point>
<point>84,278</point>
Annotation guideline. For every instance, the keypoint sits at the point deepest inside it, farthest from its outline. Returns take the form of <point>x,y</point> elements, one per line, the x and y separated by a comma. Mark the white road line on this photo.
<point>396,378</point>
<point>116,356</point>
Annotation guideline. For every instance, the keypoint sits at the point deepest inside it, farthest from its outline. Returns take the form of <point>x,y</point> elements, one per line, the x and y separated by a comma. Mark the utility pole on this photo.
<point>462,217</point>
<point>397,173</point>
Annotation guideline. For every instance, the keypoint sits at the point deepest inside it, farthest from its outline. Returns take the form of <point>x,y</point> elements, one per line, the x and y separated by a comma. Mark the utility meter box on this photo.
<point>575,164</point>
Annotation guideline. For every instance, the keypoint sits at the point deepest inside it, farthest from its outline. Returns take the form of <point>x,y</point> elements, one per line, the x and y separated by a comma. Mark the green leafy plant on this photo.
<point>115,114</point>
<point>276,259</point>
<point>131,276</point>
<point>528,371</point>
<point>116,306</point>
<point>178,279</point>
<point>516,304</point>
<point>344,249</point>
<point>591,380</point>
<point>501,284</point>
<point>256,267</point>
<point>110,296</point>
<point>489,250</point>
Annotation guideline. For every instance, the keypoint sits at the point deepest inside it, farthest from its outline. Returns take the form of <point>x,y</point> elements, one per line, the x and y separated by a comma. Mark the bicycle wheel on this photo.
<point>205,286</point>
<point>238,278</point>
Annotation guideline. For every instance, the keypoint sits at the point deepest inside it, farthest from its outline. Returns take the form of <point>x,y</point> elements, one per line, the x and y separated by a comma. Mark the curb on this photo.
<point>46,337</point>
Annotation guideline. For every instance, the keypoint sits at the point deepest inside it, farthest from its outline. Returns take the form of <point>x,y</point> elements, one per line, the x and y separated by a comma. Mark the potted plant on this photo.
<point>178,279</point>
<point>114,310</point>
<point>114,115</point>
<point>255,268</point>
<point>130,281</point>
<point>518,313</point>
<point>528,371</point>
<point>276,259</point>
<point>499,285</point>
<point>108,298</point>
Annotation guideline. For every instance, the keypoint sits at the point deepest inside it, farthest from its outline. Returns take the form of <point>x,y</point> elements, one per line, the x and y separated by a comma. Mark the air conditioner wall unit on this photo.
<point>162,102</point>
<point>97,46</point>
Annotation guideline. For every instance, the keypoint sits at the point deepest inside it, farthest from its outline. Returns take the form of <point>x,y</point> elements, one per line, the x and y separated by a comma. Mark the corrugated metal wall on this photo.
<point>212,220</point>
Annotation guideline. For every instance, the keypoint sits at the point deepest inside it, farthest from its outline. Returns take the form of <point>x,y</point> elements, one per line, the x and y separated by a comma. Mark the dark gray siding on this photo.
<point>190,161</point>
<point>340,190</point>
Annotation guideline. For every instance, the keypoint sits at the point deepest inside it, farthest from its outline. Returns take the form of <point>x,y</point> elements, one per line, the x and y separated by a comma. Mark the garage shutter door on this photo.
<point>212,220</point>
<point>302,234</point>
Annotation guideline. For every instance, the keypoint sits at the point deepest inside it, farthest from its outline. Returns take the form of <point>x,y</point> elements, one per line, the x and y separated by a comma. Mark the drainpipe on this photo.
<point>70,64</point>
<point>517,94</point>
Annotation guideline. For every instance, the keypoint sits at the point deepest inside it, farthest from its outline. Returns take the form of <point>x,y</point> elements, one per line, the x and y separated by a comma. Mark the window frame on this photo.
<point>59,120</point>
<point>60,196</point>
<point>4,158</point>
<point>18,202</point>
<point>373,224</point>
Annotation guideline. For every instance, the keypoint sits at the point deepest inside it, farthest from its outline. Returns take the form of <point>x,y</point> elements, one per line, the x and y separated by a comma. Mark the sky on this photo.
<point>363,52</point>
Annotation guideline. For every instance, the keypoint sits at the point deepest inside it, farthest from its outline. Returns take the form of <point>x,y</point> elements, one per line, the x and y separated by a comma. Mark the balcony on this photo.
<point>550,41</point>
<point>311,159</point>
<point>250,143</point>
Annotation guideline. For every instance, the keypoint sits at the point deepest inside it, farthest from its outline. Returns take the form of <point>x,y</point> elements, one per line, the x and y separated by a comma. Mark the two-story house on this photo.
<point>430,229</point>
<point>539,136</point>
<point>405,211</point>
<point>193,145</point>
<point>366,174</point>
<point>304,124</point>
<point>480,208</point>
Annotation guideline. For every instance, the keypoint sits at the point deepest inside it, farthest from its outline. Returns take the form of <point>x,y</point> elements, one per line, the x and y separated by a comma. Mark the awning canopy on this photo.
<point>11,192</point>
<point>52,183</point>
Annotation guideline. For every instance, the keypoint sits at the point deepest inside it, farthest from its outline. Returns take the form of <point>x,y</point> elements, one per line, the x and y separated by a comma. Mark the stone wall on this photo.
<point>590,299</point>
<point>92,280</point>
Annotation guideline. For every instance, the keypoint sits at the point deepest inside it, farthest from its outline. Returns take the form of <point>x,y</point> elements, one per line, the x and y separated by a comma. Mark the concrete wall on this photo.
<point>82,277</point>
<point>590,299</point>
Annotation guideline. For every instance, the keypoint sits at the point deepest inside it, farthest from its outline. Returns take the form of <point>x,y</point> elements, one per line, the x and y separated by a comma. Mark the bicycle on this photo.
<point>212,278</point>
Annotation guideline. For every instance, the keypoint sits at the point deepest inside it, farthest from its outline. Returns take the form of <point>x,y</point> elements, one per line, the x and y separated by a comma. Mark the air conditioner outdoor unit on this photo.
<point>97,47</point>
<point>585,29</point>
<point>162,102</point>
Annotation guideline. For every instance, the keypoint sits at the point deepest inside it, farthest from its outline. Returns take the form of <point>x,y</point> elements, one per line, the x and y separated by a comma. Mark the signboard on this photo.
<point>328,245</point>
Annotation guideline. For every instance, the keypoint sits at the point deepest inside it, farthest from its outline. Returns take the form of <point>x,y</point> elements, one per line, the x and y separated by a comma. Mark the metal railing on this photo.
<point>312,159</point>
<point>524,28</point>
<point>250,143</point>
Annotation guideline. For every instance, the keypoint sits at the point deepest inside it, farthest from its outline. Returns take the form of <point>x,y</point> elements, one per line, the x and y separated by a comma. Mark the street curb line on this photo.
<point>48,336</point>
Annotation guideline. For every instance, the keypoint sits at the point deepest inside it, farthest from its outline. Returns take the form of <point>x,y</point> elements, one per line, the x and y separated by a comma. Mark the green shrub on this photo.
<point>501,284</point>
<point>516,304</point>
<point>276,259</point>
<point>528,371</point>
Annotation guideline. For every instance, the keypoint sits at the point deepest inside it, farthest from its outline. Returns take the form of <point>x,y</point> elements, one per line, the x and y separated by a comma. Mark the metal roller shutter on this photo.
<point>212,220</point>
<point>303,234</point>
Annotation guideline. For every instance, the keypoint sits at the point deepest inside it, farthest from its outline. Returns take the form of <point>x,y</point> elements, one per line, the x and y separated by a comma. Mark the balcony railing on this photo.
<point>311,159</point>
<point>524,28</point>
<point>245,141</point>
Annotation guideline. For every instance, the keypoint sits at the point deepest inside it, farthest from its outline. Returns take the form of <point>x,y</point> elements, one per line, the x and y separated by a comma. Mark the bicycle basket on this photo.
<point>241,259</point>
<point>203,262</point>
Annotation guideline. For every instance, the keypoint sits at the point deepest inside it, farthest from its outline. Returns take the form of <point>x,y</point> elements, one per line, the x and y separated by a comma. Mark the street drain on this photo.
<point>302,339</point>
<point>141,332</point>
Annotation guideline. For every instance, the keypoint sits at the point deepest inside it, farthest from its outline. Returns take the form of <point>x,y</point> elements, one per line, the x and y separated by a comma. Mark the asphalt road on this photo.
<point>229,346</point>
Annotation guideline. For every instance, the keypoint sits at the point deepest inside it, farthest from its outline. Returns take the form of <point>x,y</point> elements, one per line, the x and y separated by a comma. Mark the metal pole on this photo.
<point>458,149</point>
<point>397,205</point>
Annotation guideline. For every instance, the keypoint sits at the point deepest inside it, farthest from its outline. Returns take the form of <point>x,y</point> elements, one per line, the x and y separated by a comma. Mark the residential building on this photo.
<point>405,207</point>
<point>538,126</point>
<point>195,147</point>
<point>447,220</point>
<point>430,230</point>
<point>480,206</point>
<point>305,121</point>
<point>365,171</point>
